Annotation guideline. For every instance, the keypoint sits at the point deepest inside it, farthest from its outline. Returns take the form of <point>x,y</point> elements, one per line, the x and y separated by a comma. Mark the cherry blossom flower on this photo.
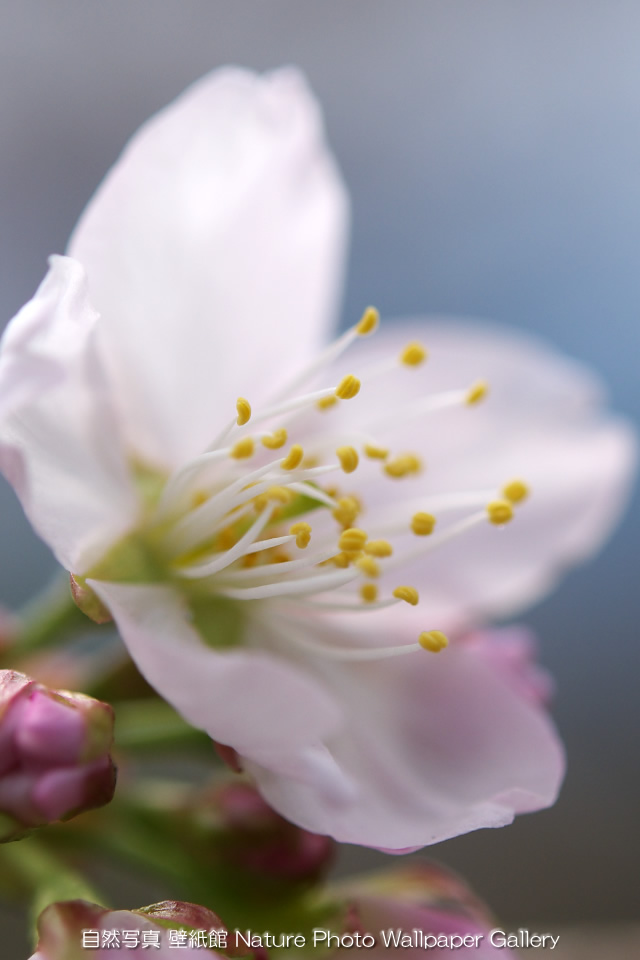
<point>284,532</point>
<point>54,754</point>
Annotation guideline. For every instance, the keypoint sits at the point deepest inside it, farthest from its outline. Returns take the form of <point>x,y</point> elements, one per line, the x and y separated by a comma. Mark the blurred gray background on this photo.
<point>492,150</point>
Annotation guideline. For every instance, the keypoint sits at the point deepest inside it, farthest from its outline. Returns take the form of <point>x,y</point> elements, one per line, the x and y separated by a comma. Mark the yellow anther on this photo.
<point>249,560</point>
<point>433,640</point>
<point>243,448</point>
<point>477,392</point>
<point>422,524</point>
<point>346,511</point>
<point>325,403</point>
<point>198,498</point>
<point>244,411</point>
<point>293,458</point>
<point>368,322</point>
<point>378,548</point>
<point>280,494</point>
<point>352,540</point>
<point>280,556</point>
<point>309,462</point>
<point>348,388</point>
<point>408,594</point>
<point>341,560</point>
<point>499,512</point>
<point>227,538</point>
<point>275,440</point>
<point>369,592</point>
<point>368,566</point>
<point>375,453</point>
<point>403,465</point>
<point>348,457</point>
<point>515,491</point>
<point>413,355</point>
<point>302,532</point>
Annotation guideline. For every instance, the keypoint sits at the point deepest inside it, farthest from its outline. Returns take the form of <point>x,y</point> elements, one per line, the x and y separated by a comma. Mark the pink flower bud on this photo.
<point>75,929</point>
<point>247,833</point>
<point>418,907</point>
<point>54,754</point>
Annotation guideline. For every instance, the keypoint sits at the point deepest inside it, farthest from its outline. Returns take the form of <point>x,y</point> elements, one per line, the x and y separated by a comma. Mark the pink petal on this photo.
<point>433,745</point>
<point>58,441</point>
<point>214,252</point>
<point>263,706</point>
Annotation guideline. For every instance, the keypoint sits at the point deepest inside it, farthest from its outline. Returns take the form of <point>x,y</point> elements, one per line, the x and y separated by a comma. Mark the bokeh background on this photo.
<point>492,150</point>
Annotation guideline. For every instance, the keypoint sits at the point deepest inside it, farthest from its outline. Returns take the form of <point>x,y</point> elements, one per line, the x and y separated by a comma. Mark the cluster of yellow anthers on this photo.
<point>228,526</point>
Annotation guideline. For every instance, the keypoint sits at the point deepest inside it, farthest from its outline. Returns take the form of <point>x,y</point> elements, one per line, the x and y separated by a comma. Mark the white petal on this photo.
<point>434,745</point>
<point>262,706</point>
<point>59,443</point>
<point>543,421</point>
<point>214,251</point>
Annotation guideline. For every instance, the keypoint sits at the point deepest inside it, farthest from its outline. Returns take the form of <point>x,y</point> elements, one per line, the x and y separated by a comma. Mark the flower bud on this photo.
<point>414,908</point>
<point>54,754</point>
<point>75,929</point>
<point>245,833</point>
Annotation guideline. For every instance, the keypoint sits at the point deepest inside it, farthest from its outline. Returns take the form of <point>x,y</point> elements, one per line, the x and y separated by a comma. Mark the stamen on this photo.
<point>353,654</point>
<point>313,493</point>
<point>413,355</point>
<point>433,640</point>
<point>499,512</point>
<point>515,491</point>
<point>275,440</point>
<point>293,458</point>
<point>369,592</point>
<point>280,494</point>
<point>346,511</point>
<point>243,449</point>
<point>348,457</point>
<point>408,594</point>
<point>244,411</point>
<point>348,388</point>
<point>302,533</point>
<point>477,392</point>
<point>325,403</point>
<point>277,567</point>
<point>368,566</point>
<point>374,452</point>
<point>403,465</point>
<point>368,323</point>
<point>352,540</point>
<point>286,588</point>
<point>341,560</point>
<point>422,524</point>
<point>220,561</point>
<point>378,548</point>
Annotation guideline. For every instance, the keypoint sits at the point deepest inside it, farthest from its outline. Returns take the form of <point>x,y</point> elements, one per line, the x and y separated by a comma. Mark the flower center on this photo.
<point>257,517</point>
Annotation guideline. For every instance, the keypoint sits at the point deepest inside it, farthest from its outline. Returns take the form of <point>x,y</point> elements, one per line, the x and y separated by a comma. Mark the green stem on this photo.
<point>153,723</point>
<point>49,618</point>
<point>47,877</point>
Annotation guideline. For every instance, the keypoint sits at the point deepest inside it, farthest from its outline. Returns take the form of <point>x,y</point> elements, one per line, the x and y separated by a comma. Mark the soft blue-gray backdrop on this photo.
<point>493,154</point>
